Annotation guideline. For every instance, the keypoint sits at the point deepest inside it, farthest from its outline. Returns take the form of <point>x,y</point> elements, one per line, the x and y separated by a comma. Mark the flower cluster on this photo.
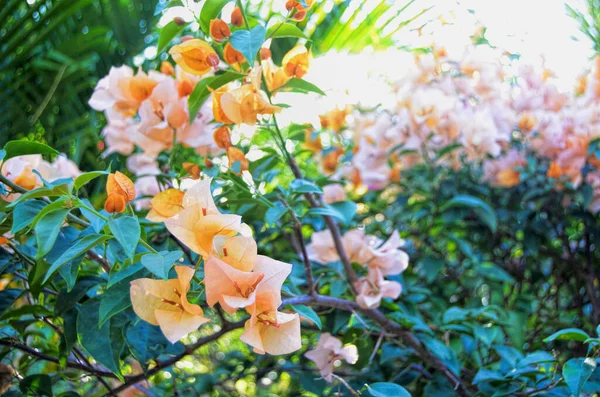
<point>328,352</point>
<point>493,118</point>
<point>235,276</point>
<point>380,258</point>
<point>30,171</point>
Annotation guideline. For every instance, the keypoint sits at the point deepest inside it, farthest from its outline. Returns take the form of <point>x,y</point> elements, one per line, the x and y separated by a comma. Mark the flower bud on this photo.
<point>179,21</point>
<point>194,56</point>
<point>237,17</point>
<point>114,203</point>
<point>222,137</point>
<point>219,30</point>
<point>167,68</point>
<point>192,169</point>
<point>265,54</point>
<point>299,15</point>
<point>232,56</point>
<point>208,162</point>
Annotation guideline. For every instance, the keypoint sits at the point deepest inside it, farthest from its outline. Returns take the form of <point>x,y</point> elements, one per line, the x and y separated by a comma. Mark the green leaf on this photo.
<point>203,89</point>
<point>53,206</point>
<point>146,341</point>
<point>387,389</point>
<point>161,6</point>
<point>298,85</point>
<point>494,272</point>
<point>116,276</point>
<point>431,267</point>
<point>210,10</point>
<point>167,33</point>
<point>126,230</point>
<point>23,147</point>
<point>104,344</point>
<point>66,300</point>
<point>345,209</point>
<point>114,300</point>
<point>24,213</point>
<point>285,29</point>
<point>304,186</point>
<point>79,248</point>
<point>47,229</point>
<point>160,264</point>
<point>274,213</point>
<point>7,297</point>
<point>486,375</point>
<point>248,42</point>
<point>36,385</point>
<point>308,313</point>
<point>576,372</point>
<point>481,208</point>
<point>87,177</point>
<point>568,334</point>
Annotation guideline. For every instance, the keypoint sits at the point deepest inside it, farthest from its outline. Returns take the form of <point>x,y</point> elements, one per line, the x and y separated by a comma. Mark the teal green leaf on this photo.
<point>576,372</point>
<point>568,334</point>
<point>47,229</point>
<point>304,186</point>
<point>7,297</point>
<point>248,42</point>
<point>308,313</point>
<point>24,213</point>
<point>387,389</point>
<point>36,385</point>
<point>160,264</point>
<point>127,231</point>
<point>481,208</point>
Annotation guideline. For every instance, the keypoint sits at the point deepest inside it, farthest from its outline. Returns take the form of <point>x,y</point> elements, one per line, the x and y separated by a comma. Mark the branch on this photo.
<point>310,281</point>
<point>390,327</point>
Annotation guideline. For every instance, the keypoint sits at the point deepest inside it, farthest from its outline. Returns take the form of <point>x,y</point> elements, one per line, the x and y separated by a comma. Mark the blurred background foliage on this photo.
<point>52,54</point>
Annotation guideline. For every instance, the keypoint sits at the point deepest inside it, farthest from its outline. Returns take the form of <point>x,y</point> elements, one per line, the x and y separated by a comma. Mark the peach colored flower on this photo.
<point>165,205</point>
<point>200,221</point>
<point>165,303</point>
<point>195,56</point>
<point>334,193</point>
<point>373,288</point>
<point>328,351</point>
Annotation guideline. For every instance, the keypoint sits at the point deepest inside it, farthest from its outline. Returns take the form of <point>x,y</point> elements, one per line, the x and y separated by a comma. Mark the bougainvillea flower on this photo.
<point>335,119</point>
<point>282,336</point>
<point>120,190</point>
<point>218,113</point>
<point>334,193</point>
<point>388,258</point>
<point>373,288</point>
<point>165,205</point>
<point>195,56</point>
<point>503,171</point>
<point>219,30</point>
<point>244,104</point>
<point>163,112</point>
<point>200,221</point>
<point>275,76</point>
<point>295,63</point>
<point>237,18</point>
<point>234,288</point>
<point>322,248</point>
<point>239,252</point>
<point>20,171</point>
<point>222,137</point>
<point>165,303</point>
<point>328,351</point>
<point>312,140</point>
<point>192,169</point>
<point>233,57</point>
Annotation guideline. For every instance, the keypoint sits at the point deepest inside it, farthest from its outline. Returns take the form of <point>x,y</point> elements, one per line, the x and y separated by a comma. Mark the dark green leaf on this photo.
<point>24,213</point>
<point>22,147</point>
<point>36,385</point>
<point>126,230</point>
<point>7,297</point>
<point>576,372</point>
<point>146,341</point>
<point>482,209</point>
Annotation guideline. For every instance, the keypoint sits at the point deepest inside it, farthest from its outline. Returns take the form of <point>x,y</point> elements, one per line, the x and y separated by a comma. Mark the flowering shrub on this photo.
<point>443,247</point>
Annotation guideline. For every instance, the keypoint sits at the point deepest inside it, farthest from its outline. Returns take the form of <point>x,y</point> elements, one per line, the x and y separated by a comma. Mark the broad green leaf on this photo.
<point>160,264</point>
<point>87,177</point>
<point>210,10</point>
<point>204,87</point>
<point>431,267</point>
<point>168,33</point>
<point>7,297</point>
<point>274,213</point>
<point>116,276</point>
<point>104,344</point>
<point>492,271</point>
<point>345,209</point>
<point>146,341</point>
<point>47,229</point>
<point>308,313</point>
<point>568,334</point>
<point>24,213</point>
<point>36,385</point>
<point>387,389</point>
<point>23,147</point>
<point>576,372</point>
<point>248,42</point>
<point>538,357</point>
<point>79,248</point>
<point>126,230</point>
<point>114,300</point>
<point>36,193</point>
<point>302,86</point>
<point>304,186</point>
<point>24,311</point>
<point>481,208</point>
<point>285,29</point>
<point>486,375</point>
<point>61,203</point>
<point>66,300</point>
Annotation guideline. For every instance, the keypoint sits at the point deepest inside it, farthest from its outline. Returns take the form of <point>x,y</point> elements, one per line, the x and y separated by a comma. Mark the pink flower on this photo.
<point>334,193</point>
<point>328,351</point>
<point>373,288</point>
